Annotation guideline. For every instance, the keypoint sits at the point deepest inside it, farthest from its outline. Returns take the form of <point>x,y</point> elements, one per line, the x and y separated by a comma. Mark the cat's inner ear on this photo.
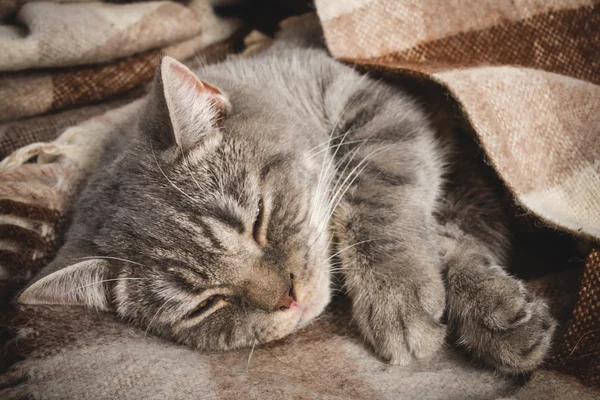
<point>194,106</point>
<point>84,283</point>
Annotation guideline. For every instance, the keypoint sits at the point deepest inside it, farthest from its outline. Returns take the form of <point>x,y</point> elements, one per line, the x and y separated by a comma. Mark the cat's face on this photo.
<point>222,238</point>
<point>239,258</point>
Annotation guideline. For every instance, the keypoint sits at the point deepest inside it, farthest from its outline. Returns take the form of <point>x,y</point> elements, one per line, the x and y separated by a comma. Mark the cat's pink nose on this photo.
<point>289,298</point>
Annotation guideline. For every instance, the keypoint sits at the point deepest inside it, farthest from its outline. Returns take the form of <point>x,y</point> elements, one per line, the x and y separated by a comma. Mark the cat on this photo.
<point>215,220</point>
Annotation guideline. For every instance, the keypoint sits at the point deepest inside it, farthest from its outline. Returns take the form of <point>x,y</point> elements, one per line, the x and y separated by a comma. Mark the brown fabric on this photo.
<point>68,34</point>
<point>550,385</point>
<point>556,48</point>
<point>11,207</point>
<point>83,86</point>
<point>73,353</point>
<point>578,352</point>
<point>46,128</point>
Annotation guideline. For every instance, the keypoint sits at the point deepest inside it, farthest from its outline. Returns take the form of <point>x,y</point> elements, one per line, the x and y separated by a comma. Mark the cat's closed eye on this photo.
<point>208,305</point>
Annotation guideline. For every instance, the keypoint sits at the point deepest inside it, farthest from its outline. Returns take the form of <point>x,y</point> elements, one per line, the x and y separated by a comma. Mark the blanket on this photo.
<point>73,353</point>
<point>97,50</point>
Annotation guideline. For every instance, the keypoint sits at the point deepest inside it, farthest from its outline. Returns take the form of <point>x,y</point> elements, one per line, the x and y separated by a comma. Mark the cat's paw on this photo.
<point>401,321</point>
<point>510,331</point>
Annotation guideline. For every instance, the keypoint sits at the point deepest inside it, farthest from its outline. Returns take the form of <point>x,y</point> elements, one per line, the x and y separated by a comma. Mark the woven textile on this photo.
<point>103,50</point>
<point>16,134</point>
<point>59,35</point>
<point>578,352</point>
<point>526,74</point>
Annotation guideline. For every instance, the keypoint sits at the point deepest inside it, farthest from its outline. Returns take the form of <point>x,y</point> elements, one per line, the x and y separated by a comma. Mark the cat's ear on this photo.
<point>83,283</point>
<point>181,110</point>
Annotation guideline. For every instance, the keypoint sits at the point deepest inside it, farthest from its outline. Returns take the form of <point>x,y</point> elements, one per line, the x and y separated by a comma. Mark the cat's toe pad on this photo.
<point>399,325</point>
<point>503,303</point>
<point>523,347</point>
<point>501,324</point>
<point>413,340</point>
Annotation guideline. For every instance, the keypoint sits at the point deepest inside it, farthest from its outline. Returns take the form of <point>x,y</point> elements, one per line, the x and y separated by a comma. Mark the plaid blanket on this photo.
<point>65,353</point>
<point>102,50</point>
<point>526,73</point>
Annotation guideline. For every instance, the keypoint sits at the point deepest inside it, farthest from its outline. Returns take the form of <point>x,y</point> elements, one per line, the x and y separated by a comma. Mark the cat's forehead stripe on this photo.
<point>228,218</point>
<point>207,230</point>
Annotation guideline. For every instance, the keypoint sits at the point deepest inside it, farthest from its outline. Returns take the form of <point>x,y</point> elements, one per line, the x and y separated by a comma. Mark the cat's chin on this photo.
<point>315,302</point>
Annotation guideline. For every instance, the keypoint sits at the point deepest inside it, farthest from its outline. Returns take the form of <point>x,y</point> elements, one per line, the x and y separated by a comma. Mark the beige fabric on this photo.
<point>549,154</point>
<point>25,92</point>
<point>409,22</point>
<point>76,354</point>
<point>98,35</point>
<point>549,385</point>
<point>75,34</point>
<point>16,134</point>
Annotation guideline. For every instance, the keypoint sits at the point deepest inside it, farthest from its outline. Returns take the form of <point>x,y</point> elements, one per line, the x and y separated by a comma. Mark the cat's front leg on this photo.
<point>391,265</point>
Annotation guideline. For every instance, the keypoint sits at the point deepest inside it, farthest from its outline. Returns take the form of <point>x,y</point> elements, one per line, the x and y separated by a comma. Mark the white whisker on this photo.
<point>364,161</point>
<point>345,186</point>
<point>321,172</point>
<point>352,155</point>
<point>167,178</point>
<point>187,164</point>
<point>155,314</point>
<point>110,258</point>
<point>343,269</point>
<point>250,356</point>
<point>330,201</point>
<point>344,144</point>
<point>349,247</point>
<point>105,280</point>
<point>323,143</point>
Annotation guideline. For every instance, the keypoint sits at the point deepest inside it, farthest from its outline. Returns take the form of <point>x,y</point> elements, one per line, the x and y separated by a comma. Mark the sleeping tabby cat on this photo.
<point>215,221</point>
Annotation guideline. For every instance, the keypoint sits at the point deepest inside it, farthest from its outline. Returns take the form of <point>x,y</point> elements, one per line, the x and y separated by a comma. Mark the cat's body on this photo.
<point>234,195</point>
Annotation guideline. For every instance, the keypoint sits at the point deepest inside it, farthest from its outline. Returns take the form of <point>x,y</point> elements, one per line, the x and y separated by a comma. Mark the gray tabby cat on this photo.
<point>215,221</point>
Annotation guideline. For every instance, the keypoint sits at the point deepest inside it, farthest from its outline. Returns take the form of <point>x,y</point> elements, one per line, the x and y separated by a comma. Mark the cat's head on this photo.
<point>207,230</point>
